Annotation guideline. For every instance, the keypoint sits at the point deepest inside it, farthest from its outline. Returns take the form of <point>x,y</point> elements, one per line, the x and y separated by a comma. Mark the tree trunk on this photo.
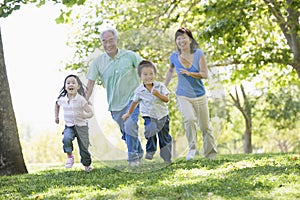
<point>11,157</point>
<point>247,137</point>
<point>245,109</point>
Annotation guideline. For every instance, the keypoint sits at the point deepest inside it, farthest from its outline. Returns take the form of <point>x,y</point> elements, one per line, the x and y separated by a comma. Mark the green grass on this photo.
<point>255,177</point>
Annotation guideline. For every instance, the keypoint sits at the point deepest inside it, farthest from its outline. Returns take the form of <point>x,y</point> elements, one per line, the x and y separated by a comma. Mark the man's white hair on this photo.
<point>113,30</point>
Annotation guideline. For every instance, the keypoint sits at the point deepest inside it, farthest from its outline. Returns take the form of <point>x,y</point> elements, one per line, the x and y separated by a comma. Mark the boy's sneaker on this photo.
<point>88,168</point>
<point>149,156</point>
<point>70,162</point>
<point>134,163</point>
<point>191,154</point>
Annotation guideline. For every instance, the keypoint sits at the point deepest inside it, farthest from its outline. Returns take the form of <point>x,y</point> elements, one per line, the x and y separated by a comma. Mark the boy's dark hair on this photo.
<point>143,64</point>
<point>63,91</point>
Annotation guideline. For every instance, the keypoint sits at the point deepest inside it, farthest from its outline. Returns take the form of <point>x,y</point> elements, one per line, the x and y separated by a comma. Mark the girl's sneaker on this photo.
<point>88,168</point>
<point>70,162</point>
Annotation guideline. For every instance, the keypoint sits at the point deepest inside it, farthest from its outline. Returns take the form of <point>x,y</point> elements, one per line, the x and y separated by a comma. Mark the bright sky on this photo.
<point>34,50</point>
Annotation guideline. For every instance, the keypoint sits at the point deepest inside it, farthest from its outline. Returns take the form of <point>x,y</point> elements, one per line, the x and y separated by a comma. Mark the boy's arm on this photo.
<point>130,110</point>
<point>56,111</point>
<point>164,98</point>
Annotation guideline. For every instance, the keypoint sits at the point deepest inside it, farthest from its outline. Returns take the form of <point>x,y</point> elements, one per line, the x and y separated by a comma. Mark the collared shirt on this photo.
<point>118,76</point>
<point>150,105</point>
<point>73,110</point>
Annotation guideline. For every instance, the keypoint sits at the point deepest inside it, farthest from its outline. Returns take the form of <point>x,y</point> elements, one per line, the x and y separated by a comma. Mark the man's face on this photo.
<point>110,43</point>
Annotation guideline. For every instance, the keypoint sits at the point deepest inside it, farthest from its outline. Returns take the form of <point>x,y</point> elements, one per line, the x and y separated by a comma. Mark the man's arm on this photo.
<point>89,89</point>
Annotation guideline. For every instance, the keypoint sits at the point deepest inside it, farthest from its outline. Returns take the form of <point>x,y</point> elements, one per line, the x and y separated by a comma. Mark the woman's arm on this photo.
<point>202,74</point>
<point>169,74</point>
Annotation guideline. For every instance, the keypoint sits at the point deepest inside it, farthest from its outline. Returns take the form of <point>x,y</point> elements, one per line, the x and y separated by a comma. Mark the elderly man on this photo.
<point>116,69</point>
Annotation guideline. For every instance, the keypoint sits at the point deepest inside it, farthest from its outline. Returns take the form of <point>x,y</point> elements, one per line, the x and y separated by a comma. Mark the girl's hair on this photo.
<point>63,91</point>
<point>181,31</point>
<point>143,64</point>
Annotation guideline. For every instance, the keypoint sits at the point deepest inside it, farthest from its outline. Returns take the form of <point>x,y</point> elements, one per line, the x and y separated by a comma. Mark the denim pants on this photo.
<point>160,128</point>
<point>195,111</point>
<point>129,130</point>
<point>82,135</point>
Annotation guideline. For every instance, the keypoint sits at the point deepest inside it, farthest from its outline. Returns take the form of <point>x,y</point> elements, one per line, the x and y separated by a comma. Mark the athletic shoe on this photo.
<point>191,154</point>
<point>134,163</point>
<point>149,156</point>
<point>88,168</point>
<point>70,162</point>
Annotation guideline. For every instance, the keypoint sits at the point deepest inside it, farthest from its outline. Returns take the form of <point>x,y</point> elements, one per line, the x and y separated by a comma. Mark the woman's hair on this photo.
<point>63,91</point>
<point>143,64</point>
<point>181,31</point>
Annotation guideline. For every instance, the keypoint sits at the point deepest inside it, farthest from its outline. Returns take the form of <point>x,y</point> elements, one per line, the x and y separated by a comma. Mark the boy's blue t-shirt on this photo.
<point>188,86</point>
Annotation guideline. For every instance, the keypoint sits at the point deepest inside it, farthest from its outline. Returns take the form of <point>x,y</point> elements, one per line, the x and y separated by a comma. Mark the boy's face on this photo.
<point>147,75</point>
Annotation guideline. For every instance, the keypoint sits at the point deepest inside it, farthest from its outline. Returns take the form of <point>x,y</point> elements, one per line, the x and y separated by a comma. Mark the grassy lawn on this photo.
<point>255,177</point>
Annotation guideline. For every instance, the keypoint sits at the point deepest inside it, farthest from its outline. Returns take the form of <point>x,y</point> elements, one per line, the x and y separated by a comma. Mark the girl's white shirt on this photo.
<point>73,110</point>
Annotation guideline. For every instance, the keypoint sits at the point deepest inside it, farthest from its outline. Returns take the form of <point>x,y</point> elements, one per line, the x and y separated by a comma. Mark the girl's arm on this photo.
<point>131,109</point>
<point>164,98</point>
<point>56,111</point>
<point>169,74</point>
<point>203,74</point>
<point>88,113</point>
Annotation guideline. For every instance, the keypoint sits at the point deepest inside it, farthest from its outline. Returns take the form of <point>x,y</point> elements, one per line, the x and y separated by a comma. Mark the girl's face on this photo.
<point>72,85</point>
<point>147,75</point>
<point>183,41</point>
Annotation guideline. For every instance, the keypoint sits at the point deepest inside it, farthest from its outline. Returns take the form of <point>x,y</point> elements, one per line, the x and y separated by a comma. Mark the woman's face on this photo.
<point>183,41</point>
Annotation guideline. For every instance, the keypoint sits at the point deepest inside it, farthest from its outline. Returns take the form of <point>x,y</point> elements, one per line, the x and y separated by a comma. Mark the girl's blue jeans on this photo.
<point>82,135</point>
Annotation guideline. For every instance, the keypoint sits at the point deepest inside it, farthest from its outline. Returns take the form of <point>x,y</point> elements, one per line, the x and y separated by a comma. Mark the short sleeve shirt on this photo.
<point>73,110</point>
<point>150,105</point>
<point>188,86</point>
<point>118,75</point>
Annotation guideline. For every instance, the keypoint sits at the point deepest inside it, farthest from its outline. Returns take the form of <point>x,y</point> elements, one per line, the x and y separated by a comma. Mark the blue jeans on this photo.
<point>82,135</point>
<point>129,130</point>
<point>160,128</point>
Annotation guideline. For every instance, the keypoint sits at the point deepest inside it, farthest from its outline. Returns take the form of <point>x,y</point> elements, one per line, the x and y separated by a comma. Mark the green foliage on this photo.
<point>284,107</point>
<point>8,6</point>
<point>260,176</point>
<point>244,36</point>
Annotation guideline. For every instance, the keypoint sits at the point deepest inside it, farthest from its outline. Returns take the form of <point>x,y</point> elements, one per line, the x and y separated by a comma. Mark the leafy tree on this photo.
<point>248,36</point>
<point>11,157</point>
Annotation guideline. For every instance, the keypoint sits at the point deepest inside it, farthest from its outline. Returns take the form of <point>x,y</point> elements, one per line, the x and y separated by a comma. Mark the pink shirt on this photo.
<point>73,110</point>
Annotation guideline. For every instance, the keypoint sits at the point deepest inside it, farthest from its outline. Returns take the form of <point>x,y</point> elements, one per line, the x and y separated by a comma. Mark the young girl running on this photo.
<point>76,113</point>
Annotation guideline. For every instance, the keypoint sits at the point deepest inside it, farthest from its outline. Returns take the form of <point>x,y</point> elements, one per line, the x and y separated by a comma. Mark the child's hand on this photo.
<point>125,116</point>
<point>155,92</point>
<point>57,120</point>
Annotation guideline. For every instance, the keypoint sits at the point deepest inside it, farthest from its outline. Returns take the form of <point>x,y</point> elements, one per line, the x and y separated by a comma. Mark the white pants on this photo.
<point>195,111</point>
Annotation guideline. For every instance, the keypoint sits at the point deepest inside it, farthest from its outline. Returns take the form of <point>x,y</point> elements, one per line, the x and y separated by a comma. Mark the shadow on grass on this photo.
<point>198,179</point>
